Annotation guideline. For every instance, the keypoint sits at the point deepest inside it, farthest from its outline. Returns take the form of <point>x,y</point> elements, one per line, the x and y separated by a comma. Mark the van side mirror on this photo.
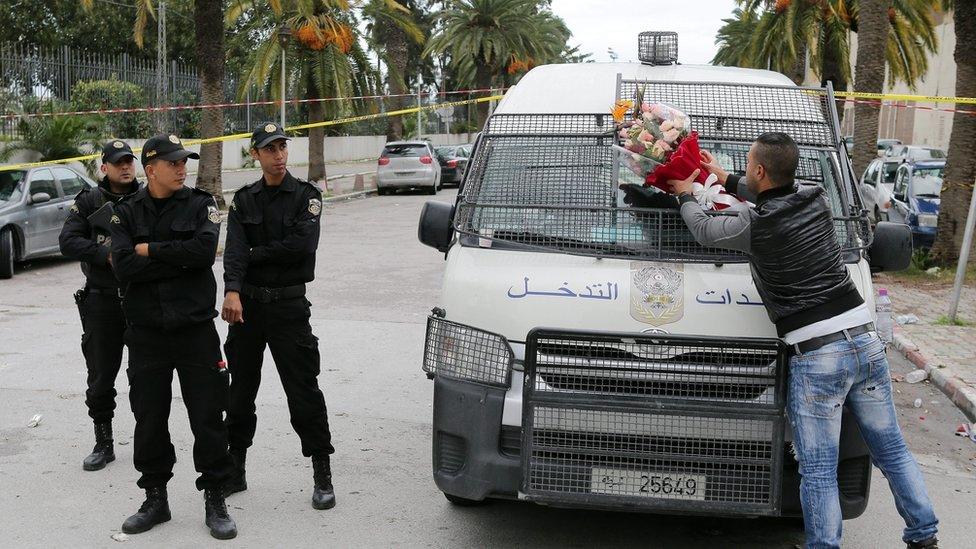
<point>435,225</point>
<point>40,198</point>
<point>891,249</point>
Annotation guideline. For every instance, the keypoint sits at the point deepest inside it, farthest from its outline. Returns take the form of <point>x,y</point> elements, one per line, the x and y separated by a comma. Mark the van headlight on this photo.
<point>928,220</point>
<point>464,353</point>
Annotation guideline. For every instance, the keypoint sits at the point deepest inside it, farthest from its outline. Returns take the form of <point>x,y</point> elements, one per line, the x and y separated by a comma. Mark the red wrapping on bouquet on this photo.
<point>682,162</point>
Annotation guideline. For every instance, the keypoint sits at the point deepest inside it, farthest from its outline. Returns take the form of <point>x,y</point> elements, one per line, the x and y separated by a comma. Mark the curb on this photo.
<point>961,394</point>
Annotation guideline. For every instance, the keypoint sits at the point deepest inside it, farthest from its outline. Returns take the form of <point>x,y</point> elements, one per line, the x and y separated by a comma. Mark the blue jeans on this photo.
<point>854,372</point>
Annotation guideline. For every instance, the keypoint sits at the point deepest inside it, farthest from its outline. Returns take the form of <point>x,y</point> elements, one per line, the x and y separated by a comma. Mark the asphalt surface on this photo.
<point>374,286</point>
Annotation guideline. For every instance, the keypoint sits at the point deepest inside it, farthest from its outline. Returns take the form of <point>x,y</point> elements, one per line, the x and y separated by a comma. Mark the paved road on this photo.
<point>375,284</point>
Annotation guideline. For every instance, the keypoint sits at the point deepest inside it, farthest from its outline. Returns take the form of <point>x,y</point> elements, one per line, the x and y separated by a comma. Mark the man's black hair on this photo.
<point>778,153</point>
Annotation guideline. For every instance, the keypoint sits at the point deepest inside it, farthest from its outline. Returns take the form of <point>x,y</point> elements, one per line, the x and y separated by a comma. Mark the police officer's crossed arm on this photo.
<point>127,264</point>
<point>200,251</point>
<point>75,239</point>
<point>236,257</point>
<point>303,238</point>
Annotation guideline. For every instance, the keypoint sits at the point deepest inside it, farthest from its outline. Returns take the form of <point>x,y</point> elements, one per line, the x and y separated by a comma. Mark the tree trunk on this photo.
<point>798,73</point>
<point>396,50</point>
<point>210,64</point>
<point>872,39</point>
<point>316,140</point>
<point>830,71</point>
<point>961,164</point>
<point>483,78</point>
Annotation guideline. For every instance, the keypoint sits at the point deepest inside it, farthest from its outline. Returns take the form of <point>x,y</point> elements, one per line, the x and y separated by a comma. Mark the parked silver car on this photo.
<point>33,206</point>
<point>408,164</point>
<point>876,186</point>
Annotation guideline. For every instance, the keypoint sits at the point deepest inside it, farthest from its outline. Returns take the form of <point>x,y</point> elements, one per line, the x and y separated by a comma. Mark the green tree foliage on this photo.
<point>114,94</point>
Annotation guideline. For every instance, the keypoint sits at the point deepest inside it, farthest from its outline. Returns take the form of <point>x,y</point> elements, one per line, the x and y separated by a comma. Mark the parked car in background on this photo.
<point>33,206</point>
<point>408,165</point>
<point>876,186</point>
<point>883,145</point>
<point>914,153</point>
<point>916,199</point>
<point>453,160</point>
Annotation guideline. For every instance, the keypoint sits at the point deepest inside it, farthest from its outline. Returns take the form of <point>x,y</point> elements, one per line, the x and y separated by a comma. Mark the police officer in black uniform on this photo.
<point>85,237</point>
<point>272,235</point>
<point>164,241</point>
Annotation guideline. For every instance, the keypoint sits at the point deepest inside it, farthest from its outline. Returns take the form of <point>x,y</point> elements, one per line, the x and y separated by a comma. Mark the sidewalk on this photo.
<point>947,353</point>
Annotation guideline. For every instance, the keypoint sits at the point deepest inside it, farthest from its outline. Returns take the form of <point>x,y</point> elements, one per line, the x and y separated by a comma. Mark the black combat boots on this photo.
<point>931,543</point>
<point>155,510</point>
<point>237,483</point>
<point>104,452</point>
<point>323,497</point>
<point>220,524</point>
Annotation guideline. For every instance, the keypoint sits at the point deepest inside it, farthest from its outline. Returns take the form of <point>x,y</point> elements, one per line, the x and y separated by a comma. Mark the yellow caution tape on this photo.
<point>907,97</point>
<point>26,165</point>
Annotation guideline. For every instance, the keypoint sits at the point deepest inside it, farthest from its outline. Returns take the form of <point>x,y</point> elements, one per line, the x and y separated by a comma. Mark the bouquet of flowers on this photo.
<point>658,145</point>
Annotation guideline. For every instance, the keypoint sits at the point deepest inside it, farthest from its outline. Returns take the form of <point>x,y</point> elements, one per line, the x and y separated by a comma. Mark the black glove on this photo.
<point>639,196</point>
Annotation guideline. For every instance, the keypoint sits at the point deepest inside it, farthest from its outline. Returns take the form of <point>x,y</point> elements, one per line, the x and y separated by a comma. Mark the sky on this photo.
<point>600,24</point>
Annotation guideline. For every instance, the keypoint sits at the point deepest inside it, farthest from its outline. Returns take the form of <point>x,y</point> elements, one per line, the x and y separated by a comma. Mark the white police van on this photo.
<point>587,353</point>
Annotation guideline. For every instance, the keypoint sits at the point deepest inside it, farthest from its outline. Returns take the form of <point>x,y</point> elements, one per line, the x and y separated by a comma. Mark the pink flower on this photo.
<point>636,147</point>
<point>623,133</point>
<point>672,135</point>
<point>662,145</point>
<point>645,136</point>
<point>645,107</point>
<point>659,110</point>
<point>666,125</point>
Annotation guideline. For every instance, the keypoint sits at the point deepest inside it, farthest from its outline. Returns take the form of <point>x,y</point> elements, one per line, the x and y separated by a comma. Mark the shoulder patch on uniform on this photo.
<point>314,206</point>
<point>212,214</point>
<point>115,219</point>
<point>73,208</point>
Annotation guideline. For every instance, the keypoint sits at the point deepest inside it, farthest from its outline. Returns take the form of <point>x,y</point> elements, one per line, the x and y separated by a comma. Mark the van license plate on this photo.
<point>625,482</point>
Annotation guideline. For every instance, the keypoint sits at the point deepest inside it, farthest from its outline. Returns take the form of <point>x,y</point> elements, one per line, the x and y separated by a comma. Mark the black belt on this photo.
<point>117,292</point>
<point>813,344</point>
<point>270,295</point>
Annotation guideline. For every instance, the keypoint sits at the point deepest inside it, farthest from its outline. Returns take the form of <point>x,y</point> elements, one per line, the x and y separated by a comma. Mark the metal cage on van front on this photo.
<point>552,182</point>
<point>644,422</point>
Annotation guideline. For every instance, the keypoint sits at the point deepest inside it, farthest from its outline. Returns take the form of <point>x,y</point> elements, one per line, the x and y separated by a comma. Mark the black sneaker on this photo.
<point>931,543</point>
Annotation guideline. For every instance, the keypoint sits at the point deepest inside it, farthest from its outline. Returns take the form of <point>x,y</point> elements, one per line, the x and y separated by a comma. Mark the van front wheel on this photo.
<point>464,502</point>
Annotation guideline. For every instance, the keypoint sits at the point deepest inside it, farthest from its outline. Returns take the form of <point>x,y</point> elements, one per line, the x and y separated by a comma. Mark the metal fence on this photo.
<point>33,78</point>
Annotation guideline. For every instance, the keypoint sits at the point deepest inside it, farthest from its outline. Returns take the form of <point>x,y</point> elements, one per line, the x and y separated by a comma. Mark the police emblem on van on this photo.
<point>657,295</point>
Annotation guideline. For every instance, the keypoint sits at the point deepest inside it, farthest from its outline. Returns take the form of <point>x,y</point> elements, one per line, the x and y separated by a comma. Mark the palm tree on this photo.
<point>960,171</point>
<point>210,64</point>
<point>484,38</point>
<point>821,27</point>
<point>394,31</point>
<point>873,26</point>
<point>325,59</point>
<point>56,137</point>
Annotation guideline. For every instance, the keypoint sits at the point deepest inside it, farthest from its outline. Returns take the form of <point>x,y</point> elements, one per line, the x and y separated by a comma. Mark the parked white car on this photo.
<point>408,165</point>
<point>876,185</point>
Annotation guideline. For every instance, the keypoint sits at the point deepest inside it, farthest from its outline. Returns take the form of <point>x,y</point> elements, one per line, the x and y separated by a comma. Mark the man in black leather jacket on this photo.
<point>837,356</point>
<point>85,237</point>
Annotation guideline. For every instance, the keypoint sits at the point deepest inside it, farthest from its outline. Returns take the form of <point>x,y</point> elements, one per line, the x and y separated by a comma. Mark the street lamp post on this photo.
<point>284,33</point>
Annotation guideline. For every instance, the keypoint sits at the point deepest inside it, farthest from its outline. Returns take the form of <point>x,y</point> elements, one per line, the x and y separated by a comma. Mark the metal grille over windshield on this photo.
<point>551,181</point>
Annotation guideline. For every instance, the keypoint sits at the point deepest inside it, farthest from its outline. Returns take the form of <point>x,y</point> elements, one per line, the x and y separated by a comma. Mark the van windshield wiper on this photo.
<point>544,240</point>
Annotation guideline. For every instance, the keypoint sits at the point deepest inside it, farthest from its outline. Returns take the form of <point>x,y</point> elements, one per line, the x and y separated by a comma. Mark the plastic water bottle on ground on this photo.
<point>882,307</point>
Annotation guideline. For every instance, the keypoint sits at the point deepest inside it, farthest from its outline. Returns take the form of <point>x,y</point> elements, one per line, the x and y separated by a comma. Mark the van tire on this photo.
<point>6,253</point>
<point>464,502</point>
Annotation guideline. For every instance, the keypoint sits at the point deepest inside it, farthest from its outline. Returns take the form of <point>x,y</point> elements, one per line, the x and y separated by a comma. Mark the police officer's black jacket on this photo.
<point>86,243</point>
<point>272,235</point>
<point>175,285</point>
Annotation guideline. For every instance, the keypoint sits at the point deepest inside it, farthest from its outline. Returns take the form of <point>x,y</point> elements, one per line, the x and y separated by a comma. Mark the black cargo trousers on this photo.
<point>103,327</point>
<point>284,327</point>
<point>193,353</point>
